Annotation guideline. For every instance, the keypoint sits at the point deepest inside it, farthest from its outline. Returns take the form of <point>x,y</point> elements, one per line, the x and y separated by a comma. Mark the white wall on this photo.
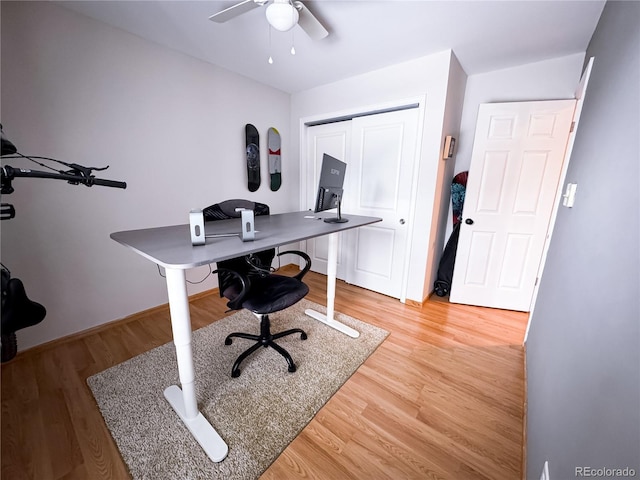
<point>441,216</point>
<point>552,79</point>
<point>548,80</point>
<point>425,78</point>
<point>440,80</point>
<point>171,126</point>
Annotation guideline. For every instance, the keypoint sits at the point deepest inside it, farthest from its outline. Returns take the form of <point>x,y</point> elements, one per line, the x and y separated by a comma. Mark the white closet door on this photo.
<point>380,153</point>
<point>332,139</point>
<point>381,169</point>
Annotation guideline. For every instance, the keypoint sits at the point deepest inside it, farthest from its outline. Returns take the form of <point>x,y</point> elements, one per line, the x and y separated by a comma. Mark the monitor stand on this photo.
<point>337,219</point>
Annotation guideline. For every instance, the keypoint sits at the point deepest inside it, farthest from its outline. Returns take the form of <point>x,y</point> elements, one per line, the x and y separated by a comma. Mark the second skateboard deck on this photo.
<point>275,161</point>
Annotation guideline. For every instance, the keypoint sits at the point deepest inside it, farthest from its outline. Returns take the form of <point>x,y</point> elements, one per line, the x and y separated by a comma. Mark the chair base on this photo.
<point>265,339</point>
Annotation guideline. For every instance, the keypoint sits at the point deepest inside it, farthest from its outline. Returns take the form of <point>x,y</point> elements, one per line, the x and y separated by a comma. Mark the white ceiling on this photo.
<point>363,34</point>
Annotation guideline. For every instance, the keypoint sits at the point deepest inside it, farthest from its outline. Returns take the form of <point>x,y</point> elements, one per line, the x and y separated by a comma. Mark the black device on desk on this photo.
<point>330,187</point>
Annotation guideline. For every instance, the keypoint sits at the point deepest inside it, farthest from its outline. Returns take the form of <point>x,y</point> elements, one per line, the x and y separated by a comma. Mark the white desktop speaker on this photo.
<point>247,233</point>
<point>196,227</point>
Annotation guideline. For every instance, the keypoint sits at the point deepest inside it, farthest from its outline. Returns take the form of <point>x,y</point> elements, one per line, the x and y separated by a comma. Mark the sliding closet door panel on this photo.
<point>332,139</point>
<point>380,152</point>
<point>381,168</point>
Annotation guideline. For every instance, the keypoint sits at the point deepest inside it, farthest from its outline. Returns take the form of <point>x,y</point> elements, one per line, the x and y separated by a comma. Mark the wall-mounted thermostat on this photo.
<point>449,147</point>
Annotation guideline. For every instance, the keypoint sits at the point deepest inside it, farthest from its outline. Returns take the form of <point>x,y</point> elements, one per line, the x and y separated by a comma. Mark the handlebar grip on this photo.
<point>108,183</point>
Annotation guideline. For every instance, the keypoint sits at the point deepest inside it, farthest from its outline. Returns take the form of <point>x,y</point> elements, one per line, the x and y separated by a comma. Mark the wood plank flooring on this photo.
<point>441,398</point>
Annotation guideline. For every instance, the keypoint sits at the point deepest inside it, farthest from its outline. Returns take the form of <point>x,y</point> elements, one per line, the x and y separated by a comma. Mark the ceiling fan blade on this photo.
<point>310,24</point>
<point>235,10</point>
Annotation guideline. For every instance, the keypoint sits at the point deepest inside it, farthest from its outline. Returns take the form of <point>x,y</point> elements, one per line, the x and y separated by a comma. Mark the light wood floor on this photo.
<point>441,398</point>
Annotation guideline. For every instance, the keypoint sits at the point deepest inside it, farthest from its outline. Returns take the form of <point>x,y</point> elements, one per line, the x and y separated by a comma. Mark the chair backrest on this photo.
<point>226,210</point>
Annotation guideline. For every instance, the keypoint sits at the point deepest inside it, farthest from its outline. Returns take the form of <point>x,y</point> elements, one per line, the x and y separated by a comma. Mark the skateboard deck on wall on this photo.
<point>252,141</point>
<point>275,162</point>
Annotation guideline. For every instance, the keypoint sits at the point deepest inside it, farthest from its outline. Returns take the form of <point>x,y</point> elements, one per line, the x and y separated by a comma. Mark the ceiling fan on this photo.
<point>282,15</point>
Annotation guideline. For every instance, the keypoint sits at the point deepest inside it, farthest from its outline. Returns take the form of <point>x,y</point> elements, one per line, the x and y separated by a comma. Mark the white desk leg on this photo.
<point>184,401</point>
<point>332,266</point>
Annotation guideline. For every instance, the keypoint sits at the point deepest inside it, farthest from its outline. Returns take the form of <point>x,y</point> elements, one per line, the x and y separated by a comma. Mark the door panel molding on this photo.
<point>516,164</point>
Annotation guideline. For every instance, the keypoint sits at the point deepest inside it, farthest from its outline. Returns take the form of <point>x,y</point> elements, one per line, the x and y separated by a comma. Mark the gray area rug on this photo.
<point>258,414</point>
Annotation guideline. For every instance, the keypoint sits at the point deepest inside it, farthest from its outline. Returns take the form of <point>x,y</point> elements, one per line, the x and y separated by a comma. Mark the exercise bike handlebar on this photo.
<point>78,174</point>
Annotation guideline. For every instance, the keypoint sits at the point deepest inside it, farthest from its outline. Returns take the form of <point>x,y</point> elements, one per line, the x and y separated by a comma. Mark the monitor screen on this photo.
<point>330,186</point>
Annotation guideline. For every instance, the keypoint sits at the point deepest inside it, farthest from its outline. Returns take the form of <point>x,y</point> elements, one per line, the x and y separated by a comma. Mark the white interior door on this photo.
<point>333,139</point>
<point>516,164</point>
<point>383,152</point>
<point>380,152</point>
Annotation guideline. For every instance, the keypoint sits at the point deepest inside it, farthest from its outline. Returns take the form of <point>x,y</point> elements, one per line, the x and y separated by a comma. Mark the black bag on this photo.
<point>18,311</point>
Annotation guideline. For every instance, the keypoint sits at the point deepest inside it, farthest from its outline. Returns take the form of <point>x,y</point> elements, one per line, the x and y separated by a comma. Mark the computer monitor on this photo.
<point>330,187</point>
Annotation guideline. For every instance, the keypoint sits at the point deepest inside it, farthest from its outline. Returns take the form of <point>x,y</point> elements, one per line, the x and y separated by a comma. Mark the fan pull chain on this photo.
<point>293,42</point>
<point>270,57</point>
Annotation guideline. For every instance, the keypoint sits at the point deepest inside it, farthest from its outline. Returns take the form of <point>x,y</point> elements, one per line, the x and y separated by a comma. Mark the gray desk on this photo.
<point>171,248</point>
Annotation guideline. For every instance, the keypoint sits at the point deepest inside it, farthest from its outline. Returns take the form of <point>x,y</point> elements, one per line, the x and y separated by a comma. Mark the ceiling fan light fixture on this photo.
<point>282,16</point>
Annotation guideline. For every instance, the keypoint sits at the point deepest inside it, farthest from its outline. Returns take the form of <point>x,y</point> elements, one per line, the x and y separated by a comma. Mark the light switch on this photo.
<point>569,197</point>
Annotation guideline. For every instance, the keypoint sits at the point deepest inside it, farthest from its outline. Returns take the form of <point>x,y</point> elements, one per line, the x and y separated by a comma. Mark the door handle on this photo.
<point>469,221</point>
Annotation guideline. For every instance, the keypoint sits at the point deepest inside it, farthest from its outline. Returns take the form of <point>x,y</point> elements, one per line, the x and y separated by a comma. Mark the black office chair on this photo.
<point>250,282</point>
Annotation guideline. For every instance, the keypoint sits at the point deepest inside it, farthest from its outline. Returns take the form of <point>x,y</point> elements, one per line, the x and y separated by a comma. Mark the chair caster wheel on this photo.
<point>303,336</point>
<point>227,341</point>
<point>235,373</point>
<point>292,368</point>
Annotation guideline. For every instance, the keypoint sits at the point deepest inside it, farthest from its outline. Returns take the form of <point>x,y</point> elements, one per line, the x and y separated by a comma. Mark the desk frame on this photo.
<point>170,247</point>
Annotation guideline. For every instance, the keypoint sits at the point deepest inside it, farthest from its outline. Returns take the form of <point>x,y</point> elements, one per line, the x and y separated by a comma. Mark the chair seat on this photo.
<point>248,282</point>
<point>271,294</point>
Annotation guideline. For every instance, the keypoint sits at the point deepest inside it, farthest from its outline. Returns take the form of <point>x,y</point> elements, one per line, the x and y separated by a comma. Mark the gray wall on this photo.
<point>583,361</point>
